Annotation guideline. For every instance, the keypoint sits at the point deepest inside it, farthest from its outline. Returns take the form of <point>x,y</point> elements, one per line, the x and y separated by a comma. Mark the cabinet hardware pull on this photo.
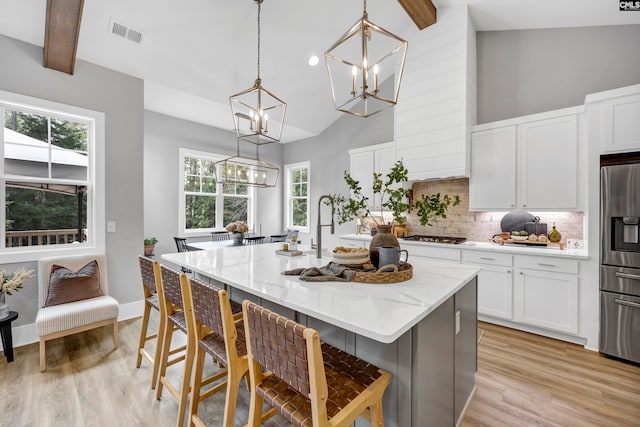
<point>493,259</point>
<point>627,303</point>
<point>541,264</point>
<point>627,276</point>
<point>524,206</point>
<point>508,271</point>
<point>521,273</point>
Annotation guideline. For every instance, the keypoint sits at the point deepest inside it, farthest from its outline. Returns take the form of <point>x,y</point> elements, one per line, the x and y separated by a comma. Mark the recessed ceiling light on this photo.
<point>313,60</point>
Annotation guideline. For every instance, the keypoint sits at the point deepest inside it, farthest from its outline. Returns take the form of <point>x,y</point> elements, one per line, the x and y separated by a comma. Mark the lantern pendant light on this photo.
<point>359,62</point>
<point>258,114</point>
<point>244,170</point>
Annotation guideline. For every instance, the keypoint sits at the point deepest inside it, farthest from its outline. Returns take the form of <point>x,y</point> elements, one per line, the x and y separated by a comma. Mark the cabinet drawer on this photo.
<point>490,258</point>
<point>432,252</point>
<point>547,264</point>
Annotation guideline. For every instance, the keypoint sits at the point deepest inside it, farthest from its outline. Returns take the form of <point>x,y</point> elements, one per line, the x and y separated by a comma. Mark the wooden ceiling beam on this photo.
<point>61,34</point>
<point>423,12</point>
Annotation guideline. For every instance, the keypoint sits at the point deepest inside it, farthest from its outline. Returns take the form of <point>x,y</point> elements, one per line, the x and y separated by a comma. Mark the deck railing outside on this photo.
<point>42,237</point>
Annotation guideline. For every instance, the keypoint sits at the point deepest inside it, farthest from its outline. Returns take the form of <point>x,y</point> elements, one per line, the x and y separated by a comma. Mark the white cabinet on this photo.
<point>363,162</point>
<point>495,283</point>
<point>493,169</point>
<point>529,163</point>
<point>548,163</point>
<point>621,124</point>
<point>548,300</point>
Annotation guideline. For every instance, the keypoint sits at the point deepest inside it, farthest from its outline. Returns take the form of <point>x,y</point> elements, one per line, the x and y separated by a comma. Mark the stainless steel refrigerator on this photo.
<point>620,258</point>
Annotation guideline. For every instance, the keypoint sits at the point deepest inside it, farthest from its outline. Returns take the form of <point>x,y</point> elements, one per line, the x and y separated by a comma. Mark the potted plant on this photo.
<point>394,198</point>
<point>150,246</point>
<point>9,283</point>
<point>237,229</point>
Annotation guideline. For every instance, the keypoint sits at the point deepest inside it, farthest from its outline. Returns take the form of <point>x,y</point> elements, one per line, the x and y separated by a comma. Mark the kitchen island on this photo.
<point>422,330</point>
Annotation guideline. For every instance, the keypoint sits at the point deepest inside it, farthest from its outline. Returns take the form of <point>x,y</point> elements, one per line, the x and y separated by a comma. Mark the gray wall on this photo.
<point>163,137</point>
<point>120,97</point>
<point>531,71</point>
<point>329,157</point>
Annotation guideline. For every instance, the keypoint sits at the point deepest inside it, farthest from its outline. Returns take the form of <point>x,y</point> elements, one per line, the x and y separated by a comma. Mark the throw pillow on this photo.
<point>68,286</point>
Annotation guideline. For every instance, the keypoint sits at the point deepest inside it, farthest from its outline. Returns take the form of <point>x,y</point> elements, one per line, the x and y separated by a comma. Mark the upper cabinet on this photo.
<point>616,113</point>
<point>529,163</point>
<point>363,162</point>
<point>437,102</point>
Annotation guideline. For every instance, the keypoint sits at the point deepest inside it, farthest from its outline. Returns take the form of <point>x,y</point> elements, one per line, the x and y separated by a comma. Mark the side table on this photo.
<point>5,331</point>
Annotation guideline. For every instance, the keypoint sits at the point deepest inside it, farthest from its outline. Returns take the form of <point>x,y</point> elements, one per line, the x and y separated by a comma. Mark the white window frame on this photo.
<point>251,211</point>
<point>96,185</point>
<point>289,169</point>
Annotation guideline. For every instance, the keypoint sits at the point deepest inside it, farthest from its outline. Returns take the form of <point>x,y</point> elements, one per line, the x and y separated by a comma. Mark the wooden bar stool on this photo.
<point>308,382</point>
<point>147,267</point>
<point>220,333</point>
<point>170,296</point>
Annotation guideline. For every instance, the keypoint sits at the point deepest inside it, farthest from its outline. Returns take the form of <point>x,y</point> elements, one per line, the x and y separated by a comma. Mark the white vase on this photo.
<point>4,308</point>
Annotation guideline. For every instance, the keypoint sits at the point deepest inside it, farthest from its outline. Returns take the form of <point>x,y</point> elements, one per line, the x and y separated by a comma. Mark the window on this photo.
<point>207,205</point>
<point>297,176</point>
<point>49,179</point>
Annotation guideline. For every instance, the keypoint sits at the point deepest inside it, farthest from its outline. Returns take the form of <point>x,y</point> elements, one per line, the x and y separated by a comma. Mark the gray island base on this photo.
<point>423,331</point>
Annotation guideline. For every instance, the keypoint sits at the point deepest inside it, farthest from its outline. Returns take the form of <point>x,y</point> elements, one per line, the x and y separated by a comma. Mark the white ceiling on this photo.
<point>196,53</point>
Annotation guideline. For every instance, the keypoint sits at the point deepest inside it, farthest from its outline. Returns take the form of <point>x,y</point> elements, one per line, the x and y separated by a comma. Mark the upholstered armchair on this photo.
<point>73,296</point>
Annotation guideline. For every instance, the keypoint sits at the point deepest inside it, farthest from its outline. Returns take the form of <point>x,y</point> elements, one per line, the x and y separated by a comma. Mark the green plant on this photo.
<point>393,197</point>
<point>151,241</point>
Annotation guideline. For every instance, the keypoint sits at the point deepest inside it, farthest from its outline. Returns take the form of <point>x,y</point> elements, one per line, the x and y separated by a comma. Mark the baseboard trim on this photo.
<point>28,334</point>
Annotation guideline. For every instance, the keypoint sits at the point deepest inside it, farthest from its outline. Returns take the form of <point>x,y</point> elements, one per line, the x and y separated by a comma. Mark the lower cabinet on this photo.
<point>548,300</point>
<point>542,292</point>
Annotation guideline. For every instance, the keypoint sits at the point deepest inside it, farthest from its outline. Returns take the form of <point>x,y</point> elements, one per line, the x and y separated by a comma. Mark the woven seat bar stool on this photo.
<point>218,236</point>
<point>147,271</point>
<point>254,240</point>
<point>310,383</point>
<point>171,306</point>
<point>220,333</point>
<point>277,238</point>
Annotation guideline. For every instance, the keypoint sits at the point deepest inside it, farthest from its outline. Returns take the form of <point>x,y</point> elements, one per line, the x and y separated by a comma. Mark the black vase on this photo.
<point>383,237</point>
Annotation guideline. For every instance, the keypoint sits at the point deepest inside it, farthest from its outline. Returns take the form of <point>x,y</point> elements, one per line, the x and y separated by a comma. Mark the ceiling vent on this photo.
<point>123,30</point>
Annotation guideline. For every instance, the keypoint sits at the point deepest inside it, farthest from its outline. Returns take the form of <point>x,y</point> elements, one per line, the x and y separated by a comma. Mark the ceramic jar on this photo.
<point>383,237</point>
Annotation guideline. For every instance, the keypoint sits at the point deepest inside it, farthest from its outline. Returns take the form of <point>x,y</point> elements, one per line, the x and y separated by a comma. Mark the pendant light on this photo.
<point>245,170</point>
<point>359,62</point>
<point>258,114</point>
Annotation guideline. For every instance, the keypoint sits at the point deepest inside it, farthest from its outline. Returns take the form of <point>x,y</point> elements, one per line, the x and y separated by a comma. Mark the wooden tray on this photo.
<point>525,242</point>
<point>288,253</point>
<point>405,272</point>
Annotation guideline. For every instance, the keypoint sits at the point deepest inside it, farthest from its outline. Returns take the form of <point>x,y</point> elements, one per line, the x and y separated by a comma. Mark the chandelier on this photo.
<point>246,170</point>
<point>359,62</point>
<point>258,114</point>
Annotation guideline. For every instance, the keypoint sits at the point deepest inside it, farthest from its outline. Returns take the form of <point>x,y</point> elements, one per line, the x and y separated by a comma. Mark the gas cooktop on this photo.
<point>435,239</point>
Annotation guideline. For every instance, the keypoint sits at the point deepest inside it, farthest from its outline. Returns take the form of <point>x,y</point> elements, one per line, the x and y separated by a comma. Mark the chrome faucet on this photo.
<point>320,224</point>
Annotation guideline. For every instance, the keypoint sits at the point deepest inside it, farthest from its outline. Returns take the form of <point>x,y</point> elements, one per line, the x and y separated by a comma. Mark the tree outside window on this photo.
<point>298,196</point>
<point>209,205</point>
<point>45,175</point>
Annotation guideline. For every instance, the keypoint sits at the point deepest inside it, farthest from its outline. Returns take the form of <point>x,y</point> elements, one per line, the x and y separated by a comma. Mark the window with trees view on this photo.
<point>297,176</point>
<point>45,177</point>
<point>208,205</point>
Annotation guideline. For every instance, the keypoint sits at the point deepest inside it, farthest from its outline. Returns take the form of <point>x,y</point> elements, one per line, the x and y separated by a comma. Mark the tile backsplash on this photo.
<point>480,226</point>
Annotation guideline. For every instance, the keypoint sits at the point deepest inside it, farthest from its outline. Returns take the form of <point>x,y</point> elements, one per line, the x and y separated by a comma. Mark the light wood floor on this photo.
<point>523,380</point>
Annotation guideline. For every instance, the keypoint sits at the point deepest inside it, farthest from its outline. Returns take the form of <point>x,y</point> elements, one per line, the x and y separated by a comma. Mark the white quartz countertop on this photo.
<point>382,312</point>
<point>488,246</point>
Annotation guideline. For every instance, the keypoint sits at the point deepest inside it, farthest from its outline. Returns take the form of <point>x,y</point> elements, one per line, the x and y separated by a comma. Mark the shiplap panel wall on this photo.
<point>437,102</point>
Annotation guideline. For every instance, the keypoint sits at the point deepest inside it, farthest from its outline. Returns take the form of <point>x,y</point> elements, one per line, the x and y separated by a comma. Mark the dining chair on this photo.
<point>181,244</point>
<point>149,289</point>
<point>171,308</point>
<point>254,240</point>
<point>218,236</point>
<point>215,323</point>
<point>277,238</point>
<point>310,383</point>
